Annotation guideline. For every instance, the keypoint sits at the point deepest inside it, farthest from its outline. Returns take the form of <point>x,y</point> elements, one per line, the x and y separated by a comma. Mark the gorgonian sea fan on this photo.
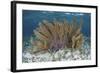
<point>56,35</point>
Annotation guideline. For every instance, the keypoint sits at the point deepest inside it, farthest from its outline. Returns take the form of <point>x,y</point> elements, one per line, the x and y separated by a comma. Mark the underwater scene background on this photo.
<point>55,36</point>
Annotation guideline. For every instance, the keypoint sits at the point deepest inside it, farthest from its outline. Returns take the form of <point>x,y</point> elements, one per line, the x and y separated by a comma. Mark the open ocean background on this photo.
<point>31,19</point>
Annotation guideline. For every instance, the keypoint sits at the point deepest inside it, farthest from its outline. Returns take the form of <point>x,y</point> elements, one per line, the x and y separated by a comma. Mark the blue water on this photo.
<point>32,18</point>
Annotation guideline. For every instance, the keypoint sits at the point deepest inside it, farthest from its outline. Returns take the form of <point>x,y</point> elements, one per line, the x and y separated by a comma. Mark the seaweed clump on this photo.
<point>56,35</point>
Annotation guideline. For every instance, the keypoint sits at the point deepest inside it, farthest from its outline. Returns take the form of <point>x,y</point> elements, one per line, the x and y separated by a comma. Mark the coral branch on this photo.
<point>59,34</point>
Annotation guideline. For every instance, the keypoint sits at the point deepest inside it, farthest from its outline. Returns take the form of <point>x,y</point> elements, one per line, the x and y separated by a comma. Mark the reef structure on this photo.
<point>57,35</point>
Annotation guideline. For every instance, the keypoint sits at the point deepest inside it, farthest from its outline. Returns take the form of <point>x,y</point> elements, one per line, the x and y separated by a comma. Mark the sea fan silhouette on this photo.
<point>57,35</point>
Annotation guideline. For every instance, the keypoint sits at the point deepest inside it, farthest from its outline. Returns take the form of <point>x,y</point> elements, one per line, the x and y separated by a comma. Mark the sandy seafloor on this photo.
<point>84,53</point>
